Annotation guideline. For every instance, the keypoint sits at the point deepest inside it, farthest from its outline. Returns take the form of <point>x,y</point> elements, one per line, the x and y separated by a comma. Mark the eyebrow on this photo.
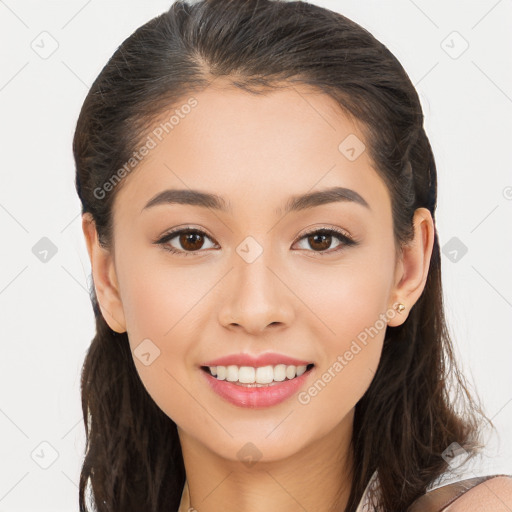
<point>294,203</point>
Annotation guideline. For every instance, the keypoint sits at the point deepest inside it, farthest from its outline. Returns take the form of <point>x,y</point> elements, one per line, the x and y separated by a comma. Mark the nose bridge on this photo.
<point>256,296</point>
<point>252,267</point>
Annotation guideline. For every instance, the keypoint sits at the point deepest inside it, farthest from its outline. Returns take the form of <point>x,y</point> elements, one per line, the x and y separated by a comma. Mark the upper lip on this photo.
<point>267,359</point>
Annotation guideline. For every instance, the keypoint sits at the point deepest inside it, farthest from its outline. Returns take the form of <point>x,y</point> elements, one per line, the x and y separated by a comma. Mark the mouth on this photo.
<point>257,387</point>
<point>256,377</point>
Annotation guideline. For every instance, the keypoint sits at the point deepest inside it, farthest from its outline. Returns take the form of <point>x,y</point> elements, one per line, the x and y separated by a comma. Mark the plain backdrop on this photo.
<point>457,54</point>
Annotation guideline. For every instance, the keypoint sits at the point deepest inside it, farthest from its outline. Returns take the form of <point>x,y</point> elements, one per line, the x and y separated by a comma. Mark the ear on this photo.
<point>412,268</point>
<point>104,277</point>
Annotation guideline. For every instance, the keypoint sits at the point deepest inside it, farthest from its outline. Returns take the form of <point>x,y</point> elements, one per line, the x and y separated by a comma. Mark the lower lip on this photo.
<point>255,398</point>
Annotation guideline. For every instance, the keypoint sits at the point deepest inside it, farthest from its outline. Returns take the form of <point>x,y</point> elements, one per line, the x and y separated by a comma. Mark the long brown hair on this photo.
<point>406,419</point>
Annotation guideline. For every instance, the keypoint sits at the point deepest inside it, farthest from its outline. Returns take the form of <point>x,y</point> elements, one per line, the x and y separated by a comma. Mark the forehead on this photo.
<point>254,148</point>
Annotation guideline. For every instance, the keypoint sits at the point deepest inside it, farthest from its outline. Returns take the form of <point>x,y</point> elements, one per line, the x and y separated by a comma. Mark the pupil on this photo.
<point>187,240</point>
<point>325,244</point>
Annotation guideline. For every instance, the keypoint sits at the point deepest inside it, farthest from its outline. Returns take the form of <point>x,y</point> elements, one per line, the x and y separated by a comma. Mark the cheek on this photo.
<point>349,355</point>
<point>345,376</point>
<point>347,313</point>
<point>346,300</point>
<point>160,304</point>
<point>157,298</point>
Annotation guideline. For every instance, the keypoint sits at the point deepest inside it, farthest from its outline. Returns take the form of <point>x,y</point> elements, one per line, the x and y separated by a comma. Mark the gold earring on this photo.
<point>399,307</point>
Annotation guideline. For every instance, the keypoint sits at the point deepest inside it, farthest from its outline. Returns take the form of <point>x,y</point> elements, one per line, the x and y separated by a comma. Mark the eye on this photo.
<point>190,240</point>
<point>321,239</point>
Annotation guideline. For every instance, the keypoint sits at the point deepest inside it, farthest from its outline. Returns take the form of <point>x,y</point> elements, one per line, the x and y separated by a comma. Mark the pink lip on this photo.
<point>267,359</point>
<point>254,398</point>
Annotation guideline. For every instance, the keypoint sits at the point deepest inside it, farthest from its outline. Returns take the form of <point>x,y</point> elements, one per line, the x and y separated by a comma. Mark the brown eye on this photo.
<point>320,242</point>
<point>188,241</point>
<point>191,241</point>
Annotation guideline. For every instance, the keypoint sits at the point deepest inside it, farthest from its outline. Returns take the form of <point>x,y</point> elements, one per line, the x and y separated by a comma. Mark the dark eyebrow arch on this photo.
<point>295,203</point>
<point>190,197</point>
<point>321,197</point>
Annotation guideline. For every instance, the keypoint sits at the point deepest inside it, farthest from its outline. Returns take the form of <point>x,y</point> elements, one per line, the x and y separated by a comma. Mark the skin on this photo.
<point>256,151</point>
<point>494,494</point>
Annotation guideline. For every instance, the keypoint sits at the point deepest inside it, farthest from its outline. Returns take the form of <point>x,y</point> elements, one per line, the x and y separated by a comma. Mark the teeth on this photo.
<point>260,375</point>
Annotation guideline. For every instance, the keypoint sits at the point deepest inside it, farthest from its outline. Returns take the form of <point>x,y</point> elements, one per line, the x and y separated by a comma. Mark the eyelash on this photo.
<point>344,238</point>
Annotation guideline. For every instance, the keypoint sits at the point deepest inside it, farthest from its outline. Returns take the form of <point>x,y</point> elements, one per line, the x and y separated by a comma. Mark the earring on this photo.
<point>399,307</point>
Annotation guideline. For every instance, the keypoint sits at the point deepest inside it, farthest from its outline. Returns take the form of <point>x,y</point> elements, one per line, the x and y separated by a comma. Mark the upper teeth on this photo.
<point>261,375</point>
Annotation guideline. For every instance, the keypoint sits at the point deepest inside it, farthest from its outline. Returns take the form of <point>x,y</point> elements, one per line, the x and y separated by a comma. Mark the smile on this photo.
<point>260,376</point>
<point>259,387</point>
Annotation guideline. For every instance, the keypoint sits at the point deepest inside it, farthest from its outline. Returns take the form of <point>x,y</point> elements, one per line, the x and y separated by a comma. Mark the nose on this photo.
<point>256,297</point>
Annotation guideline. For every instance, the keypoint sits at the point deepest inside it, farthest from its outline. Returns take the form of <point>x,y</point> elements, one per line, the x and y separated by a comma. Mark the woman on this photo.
<point>258,200</point>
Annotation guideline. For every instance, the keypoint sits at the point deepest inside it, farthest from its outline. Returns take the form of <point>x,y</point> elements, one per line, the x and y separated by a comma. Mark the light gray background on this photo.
<point>46,316</point>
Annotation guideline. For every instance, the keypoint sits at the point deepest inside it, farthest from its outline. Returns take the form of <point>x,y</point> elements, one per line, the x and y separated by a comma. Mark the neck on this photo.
<point>317,477</point>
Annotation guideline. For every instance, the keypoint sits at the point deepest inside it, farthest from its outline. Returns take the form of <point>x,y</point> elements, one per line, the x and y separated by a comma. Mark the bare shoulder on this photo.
<point>494,494</point>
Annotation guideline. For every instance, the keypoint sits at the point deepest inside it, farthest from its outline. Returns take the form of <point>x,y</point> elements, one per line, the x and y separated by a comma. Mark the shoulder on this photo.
<point>494,494</point>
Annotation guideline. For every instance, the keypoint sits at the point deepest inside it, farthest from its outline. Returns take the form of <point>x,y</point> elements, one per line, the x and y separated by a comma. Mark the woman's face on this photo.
<point>254,283</point>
